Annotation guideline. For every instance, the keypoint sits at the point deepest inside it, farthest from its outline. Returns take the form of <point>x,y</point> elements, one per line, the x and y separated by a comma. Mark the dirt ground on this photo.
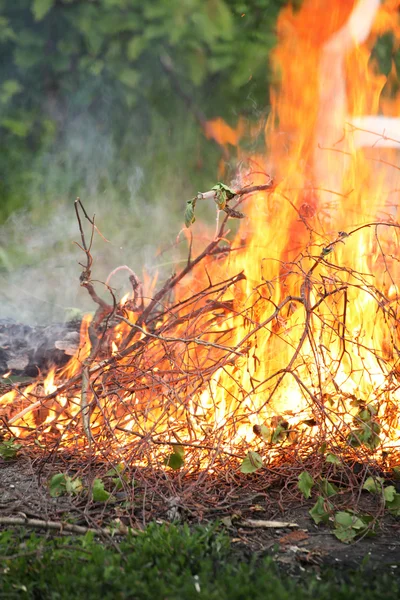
<point>296,543</point>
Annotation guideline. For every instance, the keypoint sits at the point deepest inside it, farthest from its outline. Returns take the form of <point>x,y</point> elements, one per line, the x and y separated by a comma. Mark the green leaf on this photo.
<point>9,450</point>
<point>389,493</point>
<point>265,433</point>
<point>305,484</point>
<point>251,463</point>
<point>223,194</point>
<point>176,460</point>
<point>278,434</point>
<point>135,47</point>
<point>348,526</point>
<point>40,8</point>
<point>346,519</point>
<point>394,505</point>
<point>58,485</point>
<point>321,510</point>
<point>189,212</point>
<point>117,470</point>
<point>373,485</point>
<point>73,486</point>
<point>328,488</point>
<point>129,77</point>
<point>99,494</point>
<point>345,535</point>
<point>333,459</point>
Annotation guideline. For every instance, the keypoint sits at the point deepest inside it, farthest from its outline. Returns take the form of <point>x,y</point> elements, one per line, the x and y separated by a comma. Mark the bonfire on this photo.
<point>275,350</point>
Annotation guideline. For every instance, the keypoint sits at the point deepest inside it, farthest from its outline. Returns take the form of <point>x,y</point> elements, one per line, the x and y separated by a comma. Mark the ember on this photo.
<point>280,343</point>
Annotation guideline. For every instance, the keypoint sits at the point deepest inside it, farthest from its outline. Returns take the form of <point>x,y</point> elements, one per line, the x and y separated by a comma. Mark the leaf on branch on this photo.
<point>223,194</point>
<point>189,212</point>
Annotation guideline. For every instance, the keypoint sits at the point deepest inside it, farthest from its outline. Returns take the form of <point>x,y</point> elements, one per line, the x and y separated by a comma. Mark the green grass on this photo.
<point>165,562</point>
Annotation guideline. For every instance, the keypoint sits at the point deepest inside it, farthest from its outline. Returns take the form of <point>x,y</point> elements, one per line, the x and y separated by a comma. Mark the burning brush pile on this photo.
<point>275,348</point>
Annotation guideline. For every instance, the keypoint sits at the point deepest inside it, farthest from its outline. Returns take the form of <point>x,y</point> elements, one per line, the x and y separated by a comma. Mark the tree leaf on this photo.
<point>251,463</point>
<point>40,8</point>
<point>99,494</point>
<point>305,484</point>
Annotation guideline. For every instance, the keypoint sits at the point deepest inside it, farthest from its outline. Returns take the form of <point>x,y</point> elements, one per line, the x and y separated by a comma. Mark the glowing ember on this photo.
<point>287,337</point>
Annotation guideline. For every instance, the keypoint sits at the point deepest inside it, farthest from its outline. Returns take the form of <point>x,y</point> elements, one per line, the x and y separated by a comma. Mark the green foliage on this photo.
<point>61,484</point>
<point>321,511</point>
<point>251,463</point>
<point>223,194</point>
<point>375,485</point>
<point>176,460</point>
<point>106,59</point>
<point>367,431</point>
<point>118,476</point>
<point>333,459</point>
<point>167,562</point>
<point>99,494</point>
<point>189,212</point>
<point>9,449</point>
<point>347,525</point>
<point>306,483</point>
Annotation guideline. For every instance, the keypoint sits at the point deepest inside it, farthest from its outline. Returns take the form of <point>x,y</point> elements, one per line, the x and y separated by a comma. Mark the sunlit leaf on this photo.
<point>251,463</point>
<point>176,460</point>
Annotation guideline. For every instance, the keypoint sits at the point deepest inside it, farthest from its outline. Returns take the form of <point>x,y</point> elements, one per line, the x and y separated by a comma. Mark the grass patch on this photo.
<point>168,562</point>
